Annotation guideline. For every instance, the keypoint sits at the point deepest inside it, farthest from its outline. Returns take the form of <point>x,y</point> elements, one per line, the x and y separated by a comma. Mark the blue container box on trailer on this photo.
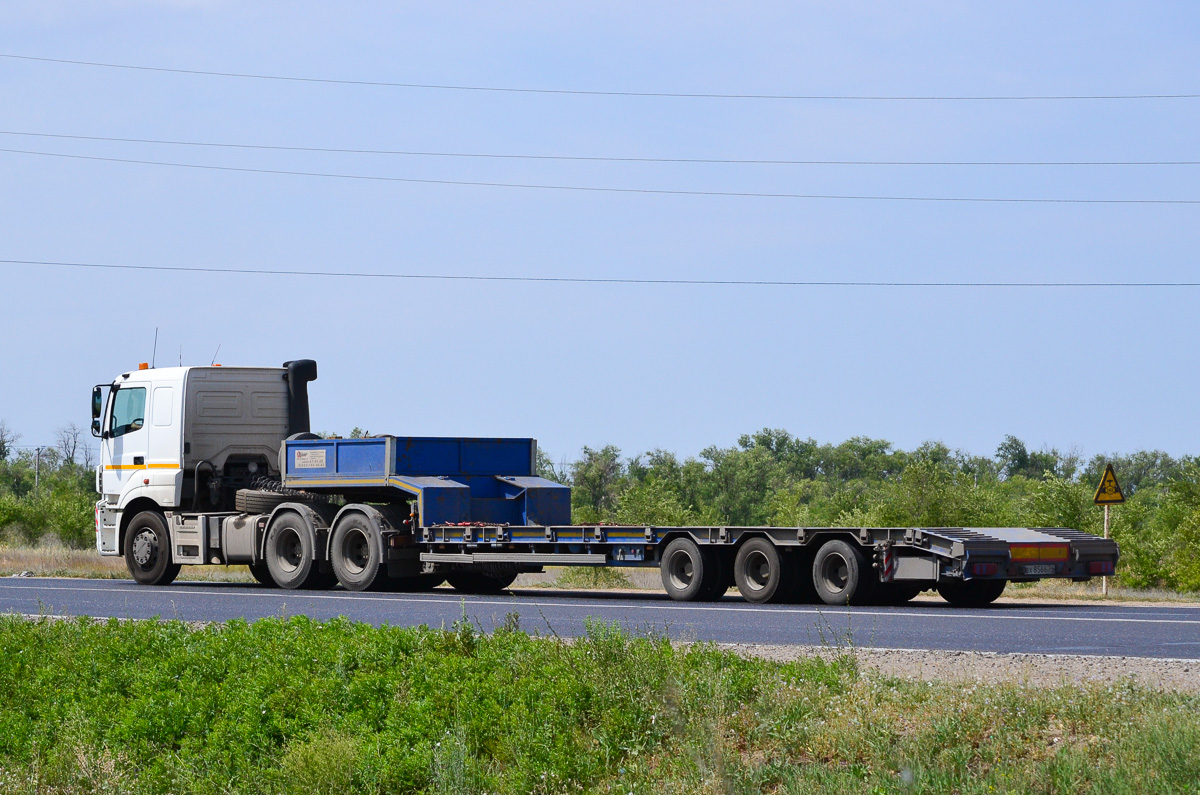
<point>454,480</point>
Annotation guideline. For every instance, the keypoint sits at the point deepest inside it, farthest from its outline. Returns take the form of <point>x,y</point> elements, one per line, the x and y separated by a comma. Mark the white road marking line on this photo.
<point>520,601</point>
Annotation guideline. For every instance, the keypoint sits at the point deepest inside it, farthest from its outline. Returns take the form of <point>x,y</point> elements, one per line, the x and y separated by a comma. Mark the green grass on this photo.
<point>295,705</point>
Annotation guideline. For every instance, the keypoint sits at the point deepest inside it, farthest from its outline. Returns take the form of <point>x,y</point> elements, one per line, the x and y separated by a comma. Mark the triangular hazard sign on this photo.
<point>1109,491</point>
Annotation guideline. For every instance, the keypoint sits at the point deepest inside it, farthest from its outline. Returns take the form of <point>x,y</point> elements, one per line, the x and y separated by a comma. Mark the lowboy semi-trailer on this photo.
<point>218,465</point>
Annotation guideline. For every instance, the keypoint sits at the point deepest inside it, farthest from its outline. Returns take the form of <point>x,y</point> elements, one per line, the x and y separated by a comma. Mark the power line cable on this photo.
<point>603,159</point>
<point>598,93</point>
<point>602,189</point>
<point>592,280</point>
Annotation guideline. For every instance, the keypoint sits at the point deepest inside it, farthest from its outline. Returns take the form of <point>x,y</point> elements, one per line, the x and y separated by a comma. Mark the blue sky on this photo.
<point>640,366</point>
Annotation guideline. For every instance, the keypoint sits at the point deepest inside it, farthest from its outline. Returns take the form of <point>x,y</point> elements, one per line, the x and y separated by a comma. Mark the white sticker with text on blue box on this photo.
<point>309,459</point>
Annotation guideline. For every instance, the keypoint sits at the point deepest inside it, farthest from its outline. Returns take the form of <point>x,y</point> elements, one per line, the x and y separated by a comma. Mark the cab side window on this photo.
<point>129,410</point>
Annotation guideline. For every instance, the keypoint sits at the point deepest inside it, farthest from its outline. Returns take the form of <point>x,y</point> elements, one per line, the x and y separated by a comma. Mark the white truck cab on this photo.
<point>186,439</point>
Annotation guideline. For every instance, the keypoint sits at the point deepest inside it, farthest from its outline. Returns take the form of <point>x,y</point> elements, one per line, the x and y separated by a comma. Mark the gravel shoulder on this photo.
<point>1026,670</point>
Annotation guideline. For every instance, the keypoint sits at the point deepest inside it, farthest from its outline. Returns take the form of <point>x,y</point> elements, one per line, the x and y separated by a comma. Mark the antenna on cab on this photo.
<point>214,359</point>
<point>154,352</point>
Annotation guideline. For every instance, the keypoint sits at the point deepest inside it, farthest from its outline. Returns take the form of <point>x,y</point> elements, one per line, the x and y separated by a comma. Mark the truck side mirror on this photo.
<point>97,409</point>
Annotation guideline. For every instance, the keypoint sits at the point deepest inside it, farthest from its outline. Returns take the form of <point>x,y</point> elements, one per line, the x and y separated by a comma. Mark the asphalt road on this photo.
<point>1122,630</point>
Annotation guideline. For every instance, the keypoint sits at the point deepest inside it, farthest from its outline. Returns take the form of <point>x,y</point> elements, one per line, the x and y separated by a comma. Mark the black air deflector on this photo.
<point>299,373</point>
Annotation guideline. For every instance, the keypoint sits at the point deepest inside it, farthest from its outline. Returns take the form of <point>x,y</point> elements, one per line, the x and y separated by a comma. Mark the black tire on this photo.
<point>323,580</point>
<point>262,573</point>
<point>258,501</point>
<point>842,575</point>
<point>476,582</point>
<point>972,593</point>
<point>896,593</point>
<point>760,573</point>
<point>722,579</point>
<point>290,555</point>
<point>148,549</point>
<point>357,553</point>
<point>799,567</point>
<point>688,572</point>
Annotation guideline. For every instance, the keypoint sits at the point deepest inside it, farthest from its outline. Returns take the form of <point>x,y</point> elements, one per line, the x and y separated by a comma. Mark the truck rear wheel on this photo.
<point>689,574</point>
<point>759,572</point>
<point>357,553</point>
<point>972,593</point>
<point>148,549</point>
<point>290,556</point>
<point>841,574</point>
<point>261,573</point>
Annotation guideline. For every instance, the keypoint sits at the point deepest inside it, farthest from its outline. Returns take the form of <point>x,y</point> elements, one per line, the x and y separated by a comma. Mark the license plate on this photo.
<point>1038,569</point>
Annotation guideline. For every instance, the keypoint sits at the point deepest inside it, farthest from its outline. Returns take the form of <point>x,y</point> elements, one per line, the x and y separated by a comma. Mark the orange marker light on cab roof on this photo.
<point>144,366</point>
<point>216,365</point>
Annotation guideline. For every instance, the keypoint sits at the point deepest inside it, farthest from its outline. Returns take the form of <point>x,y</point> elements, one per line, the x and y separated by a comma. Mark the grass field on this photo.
<point>281,706</point>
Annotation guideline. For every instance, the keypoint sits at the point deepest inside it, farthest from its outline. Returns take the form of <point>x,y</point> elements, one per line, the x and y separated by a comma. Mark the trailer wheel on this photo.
<point>357,553</point>
<point>262,573</point>
<point>479,583</point>
<point>841,574</point>
<point>721,561</point>
<point>688,573</point>
<point>759,572</point>
<point>801,590</point>
<point>896,593</point>
<point>290,555</point>
<point>972,593</point>
<point>148,549</point>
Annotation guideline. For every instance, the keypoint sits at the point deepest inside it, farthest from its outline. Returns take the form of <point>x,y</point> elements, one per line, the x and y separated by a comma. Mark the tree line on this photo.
<point>47,489</point>
<point>770,478</point>
<point>774,478</point>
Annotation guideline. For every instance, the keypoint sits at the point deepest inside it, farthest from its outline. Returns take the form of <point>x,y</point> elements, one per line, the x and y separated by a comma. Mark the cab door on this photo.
<point>165,447</point>
<point>126,439</point>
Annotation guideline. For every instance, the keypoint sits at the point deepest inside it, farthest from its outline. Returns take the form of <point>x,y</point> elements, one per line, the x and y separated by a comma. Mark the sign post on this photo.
<point>1108,493</point>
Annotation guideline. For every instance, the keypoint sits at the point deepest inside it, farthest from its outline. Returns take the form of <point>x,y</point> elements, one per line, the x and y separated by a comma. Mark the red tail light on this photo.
<point>983,569</point>
<point>1100,567</point>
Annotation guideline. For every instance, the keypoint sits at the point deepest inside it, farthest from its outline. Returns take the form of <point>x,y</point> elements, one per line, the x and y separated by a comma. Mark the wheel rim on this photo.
<point>145,548</point>
<point>835,571</point>
<point>682,570</point>
<point>356,551</point>
<point>288,550</point>
<point>757,570</point>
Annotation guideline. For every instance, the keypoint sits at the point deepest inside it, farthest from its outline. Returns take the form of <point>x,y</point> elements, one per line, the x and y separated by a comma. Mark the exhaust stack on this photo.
<point>299,373</point>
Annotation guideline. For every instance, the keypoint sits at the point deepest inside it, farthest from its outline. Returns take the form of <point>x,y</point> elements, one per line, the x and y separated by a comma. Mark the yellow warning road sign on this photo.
<point>1109,491</point>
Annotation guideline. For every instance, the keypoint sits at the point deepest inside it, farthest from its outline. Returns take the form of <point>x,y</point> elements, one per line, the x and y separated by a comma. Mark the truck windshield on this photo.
<point>129,410</point>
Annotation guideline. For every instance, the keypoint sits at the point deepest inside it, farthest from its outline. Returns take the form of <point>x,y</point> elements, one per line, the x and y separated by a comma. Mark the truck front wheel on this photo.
<point>148,549</point>
<point>357,553</point>
<point>841,574</point>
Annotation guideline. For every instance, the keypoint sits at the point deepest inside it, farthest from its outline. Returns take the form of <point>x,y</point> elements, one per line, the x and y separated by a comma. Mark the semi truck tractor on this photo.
<point>218,465</point>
